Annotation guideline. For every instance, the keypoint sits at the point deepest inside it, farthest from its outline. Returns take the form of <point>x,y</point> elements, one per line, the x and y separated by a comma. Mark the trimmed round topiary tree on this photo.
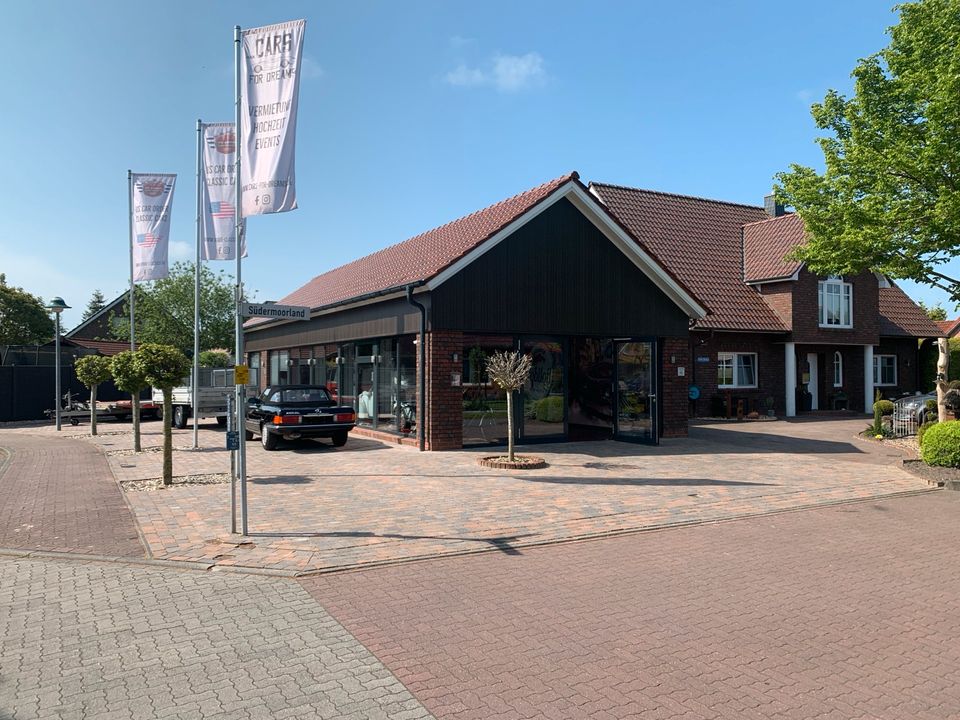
<point>941,444</point>
<point>91,371</point>
<point>164,367</point>
<point>128,378</point>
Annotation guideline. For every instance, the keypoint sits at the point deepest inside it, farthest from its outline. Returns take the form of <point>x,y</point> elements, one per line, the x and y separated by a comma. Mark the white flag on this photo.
<point>151,201</point>
<point>219,193</point>
<point>270,66</point>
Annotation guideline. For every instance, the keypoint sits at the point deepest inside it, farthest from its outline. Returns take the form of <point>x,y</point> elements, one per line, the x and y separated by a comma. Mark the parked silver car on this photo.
<point>915,407</point>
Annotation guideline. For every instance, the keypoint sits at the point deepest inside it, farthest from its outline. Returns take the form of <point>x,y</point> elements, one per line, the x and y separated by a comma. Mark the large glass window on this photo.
<point>407,390</point>
<point>884,369</point>
<point>736,370</point>
<point>253,363</point>
<point>835,303</point>
<point>386,386</point>
<point>484,404</point>
<point>544,395</point>
<point>331,370</point>
<point>348,375</point>
<point>366,391</point>
<point>279,363</point>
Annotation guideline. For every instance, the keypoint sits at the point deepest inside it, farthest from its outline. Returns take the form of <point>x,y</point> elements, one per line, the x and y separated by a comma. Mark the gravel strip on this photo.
<point>157,483</point>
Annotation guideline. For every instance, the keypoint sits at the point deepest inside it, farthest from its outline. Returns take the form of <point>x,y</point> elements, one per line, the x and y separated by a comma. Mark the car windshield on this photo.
<point>299,395</point>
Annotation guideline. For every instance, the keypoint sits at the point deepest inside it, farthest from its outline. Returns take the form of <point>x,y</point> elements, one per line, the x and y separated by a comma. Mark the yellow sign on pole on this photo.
<point>241,374</point>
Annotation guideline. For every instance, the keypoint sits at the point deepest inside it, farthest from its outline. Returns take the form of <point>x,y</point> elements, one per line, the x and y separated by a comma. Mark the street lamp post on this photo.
<point>57,306</point>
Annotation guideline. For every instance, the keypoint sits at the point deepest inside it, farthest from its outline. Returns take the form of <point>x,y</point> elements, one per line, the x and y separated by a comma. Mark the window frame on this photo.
<point>846,293</point>
<point>837,369</point>
<point>878,370</point>
<point>734,358</point>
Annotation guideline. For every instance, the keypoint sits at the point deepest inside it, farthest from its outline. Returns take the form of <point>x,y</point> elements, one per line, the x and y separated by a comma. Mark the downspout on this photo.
<point>422,362</point>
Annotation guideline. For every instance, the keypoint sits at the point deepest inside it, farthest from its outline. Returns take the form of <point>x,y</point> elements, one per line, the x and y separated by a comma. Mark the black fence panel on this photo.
<point>25,392</point>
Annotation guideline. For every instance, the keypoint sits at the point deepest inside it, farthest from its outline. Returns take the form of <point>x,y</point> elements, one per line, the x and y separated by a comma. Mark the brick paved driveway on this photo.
<point>104,641</point>
<point>315,507</point>
<point>851,611</point>
<point>57,494</point>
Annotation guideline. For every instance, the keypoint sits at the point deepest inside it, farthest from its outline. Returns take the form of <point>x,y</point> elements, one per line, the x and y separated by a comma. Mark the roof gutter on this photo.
<point>422,365</point>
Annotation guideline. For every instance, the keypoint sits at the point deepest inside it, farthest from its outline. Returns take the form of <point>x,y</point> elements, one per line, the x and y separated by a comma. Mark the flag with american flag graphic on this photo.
<point>151,203</point>
<point>218,230</point>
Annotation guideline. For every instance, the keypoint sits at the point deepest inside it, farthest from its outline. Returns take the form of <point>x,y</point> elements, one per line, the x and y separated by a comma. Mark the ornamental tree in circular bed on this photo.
<point>941,444</point>
<point>164,367</point>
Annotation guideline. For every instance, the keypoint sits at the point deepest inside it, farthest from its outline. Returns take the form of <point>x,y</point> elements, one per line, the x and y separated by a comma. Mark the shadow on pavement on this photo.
<point>281,480</point>
<point>666,482</point>
<point>503,544</point>
<point>323,445</point>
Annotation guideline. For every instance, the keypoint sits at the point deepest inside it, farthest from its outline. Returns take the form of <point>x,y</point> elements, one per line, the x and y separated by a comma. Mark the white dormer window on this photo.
<point>836,303</point>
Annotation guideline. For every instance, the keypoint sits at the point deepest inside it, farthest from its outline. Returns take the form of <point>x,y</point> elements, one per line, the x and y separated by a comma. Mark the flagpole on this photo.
<point>134,397</point>
<point>238,222</point>
<point>194,384</point>
<point>130,247</point>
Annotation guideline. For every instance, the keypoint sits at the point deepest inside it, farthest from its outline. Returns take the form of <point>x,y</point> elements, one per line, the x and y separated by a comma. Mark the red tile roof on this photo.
<point>899,315</point>
<point>419,258</point>
<point>699,241</point>
<point>766,244</point>
<point>105,347</point>
<point>949,328</point>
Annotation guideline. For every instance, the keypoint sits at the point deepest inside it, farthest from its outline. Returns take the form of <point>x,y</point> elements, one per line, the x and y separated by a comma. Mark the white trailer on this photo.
<point>214,385</point>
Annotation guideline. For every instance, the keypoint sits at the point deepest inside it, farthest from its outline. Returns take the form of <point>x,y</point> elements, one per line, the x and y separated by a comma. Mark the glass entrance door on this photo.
<point>636,391</point>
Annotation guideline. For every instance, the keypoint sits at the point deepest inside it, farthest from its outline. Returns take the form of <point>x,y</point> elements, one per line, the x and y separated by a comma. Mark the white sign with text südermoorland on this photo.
<point>274,311</point>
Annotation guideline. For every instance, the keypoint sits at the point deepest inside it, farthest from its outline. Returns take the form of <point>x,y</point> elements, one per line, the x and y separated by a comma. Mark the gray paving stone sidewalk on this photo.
<point>114,642</point>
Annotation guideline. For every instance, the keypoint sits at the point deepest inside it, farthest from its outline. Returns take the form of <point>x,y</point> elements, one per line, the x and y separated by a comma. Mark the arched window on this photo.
<point>837,369</point>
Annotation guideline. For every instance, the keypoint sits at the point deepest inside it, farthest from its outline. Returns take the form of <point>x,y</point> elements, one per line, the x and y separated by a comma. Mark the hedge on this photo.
<point>941,444</point>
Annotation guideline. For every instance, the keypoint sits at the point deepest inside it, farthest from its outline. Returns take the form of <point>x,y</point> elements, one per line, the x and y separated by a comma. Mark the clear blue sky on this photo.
<point>412,114</point>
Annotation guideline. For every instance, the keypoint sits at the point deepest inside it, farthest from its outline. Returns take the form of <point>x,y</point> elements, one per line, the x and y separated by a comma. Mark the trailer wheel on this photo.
<point>180,416</point>
<point>74,421</point>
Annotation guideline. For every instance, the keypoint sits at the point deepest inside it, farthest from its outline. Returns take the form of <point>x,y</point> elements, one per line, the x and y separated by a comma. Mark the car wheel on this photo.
<point>222,421</point>
<point>180,416</point>
<point>339,438</point>
<point>268,439</point>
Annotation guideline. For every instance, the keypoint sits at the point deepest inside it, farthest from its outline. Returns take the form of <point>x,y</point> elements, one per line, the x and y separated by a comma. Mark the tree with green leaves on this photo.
<point>23,318</point>
<point>934,312</point>
<point>163,367</point>
<point>164,310</point>
<point>91,371</point>
<point>888,199</point>
<point>215,359</point>
<point>128,377</point>
<point>95,304</point>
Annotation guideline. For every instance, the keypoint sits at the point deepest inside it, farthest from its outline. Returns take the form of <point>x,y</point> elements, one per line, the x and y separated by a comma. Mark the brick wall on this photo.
<point>674,391</point>
<point>906,350</point>
<point>779,296</point>
<point>770,371</point>
<point>866,312</point>
<point>444,426</point>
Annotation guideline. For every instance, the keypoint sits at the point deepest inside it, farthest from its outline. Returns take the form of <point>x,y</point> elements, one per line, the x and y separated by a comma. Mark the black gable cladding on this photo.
<point>558,274</point>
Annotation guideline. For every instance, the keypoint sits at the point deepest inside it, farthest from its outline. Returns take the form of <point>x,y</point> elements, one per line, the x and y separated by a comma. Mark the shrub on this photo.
<point>931,406</point>
<point>214,359</point>
<point>550,409</point>
<point>884,407</point>
<point>941,444</point>
<point>922,430</point>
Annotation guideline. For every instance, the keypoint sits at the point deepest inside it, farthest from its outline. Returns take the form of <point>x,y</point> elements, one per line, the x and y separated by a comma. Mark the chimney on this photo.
<point>773,208</point>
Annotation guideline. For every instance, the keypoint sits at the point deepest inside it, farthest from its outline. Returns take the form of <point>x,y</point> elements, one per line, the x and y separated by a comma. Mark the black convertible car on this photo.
<point>297,411</point>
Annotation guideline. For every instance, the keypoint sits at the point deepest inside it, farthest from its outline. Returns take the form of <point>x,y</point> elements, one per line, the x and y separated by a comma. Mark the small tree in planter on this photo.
<point>509,371</point>
<point>164,367</point>
<point>91,371</point>
<point>128,378</point>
